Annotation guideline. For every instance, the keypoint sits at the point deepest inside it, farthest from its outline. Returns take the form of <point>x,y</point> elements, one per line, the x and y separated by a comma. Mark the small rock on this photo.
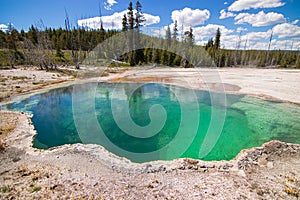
<point>227,166</point>
<point>260,192</point>
<point>191,161</point>
<point>150,185</point>
<point>262,161</point>
<point>202,166</point>
<point>16,159</point>
<point>242,173</point>
<point>270,165</point>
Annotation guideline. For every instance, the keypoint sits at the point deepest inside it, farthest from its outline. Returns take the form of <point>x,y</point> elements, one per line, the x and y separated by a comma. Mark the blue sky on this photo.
<point>253,21</point>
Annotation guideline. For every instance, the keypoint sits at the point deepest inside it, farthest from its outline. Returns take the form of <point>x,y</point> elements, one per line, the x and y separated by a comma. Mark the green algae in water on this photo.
<point>249,122</point>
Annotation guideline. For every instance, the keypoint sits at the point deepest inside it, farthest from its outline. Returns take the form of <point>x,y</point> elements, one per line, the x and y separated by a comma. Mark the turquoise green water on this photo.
<point>177,123</point>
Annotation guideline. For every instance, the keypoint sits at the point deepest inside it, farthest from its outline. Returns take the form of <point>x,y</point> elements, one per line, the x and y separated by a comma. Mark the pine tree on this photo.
<point>130,17</point>
<point>124,23</point>
<point>131,55</point>
<point>33,34</point>
<point>102,33</point>
<point>216,53</point>
<point>168,37</point>
<point>139,17</point>
<point>217,40</point>
<point>210,44</point>
<point>59,55</point>
<point>189,37</point>
<point>175,31</point>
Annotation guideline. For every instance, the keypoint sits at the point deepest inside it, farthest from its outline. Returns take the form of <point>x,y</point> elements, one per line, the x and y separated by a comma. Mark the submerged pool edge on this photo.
<point>22,96</point>
<point>165,85</point>
<point>22,139</point>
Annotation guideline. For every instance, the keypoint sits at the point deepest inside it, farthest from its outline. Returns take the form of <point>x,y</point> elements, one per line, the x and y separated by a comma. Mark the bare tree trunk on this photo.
<point>237,50</point>
<point>75,52</point>
<point>269,46</point>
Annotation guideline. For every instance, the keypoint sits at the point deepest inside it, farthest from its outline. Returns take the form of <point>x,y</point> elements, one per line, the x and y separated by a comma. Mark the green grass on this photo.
<point>19,77</point>
<point>36,189</point>
<point>4,189</point>
<point>37,83</point>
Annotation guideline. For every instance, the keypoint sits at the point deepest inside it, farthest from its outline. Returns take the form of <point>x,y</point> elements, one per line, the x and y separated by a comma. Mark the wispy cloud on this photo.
<point>295,22</point>
<point>240,5</point>
<point>224,14</point>
<point>109,4</point>
<point>240,29</point>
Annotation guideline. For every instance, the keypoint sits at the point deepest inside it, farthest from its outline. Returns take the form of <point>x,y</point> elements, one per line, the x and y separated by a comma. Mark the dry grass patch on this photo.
<point>8,121</point>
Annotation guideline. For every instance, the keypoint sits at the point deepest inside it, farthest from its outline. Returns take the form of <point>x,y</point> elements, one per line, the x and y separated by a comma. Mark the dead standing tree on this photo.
<point>269,47</point>
<point>40,54</point>
<point>237,52</point>
<point>11,46</point>
<point>47,60</point>
<point>75,43</point>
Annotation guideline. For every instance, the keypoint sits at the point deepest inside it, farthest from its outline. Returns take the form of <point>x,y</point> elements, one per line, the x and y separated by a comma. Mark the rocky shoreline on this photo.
<point>90,172</point>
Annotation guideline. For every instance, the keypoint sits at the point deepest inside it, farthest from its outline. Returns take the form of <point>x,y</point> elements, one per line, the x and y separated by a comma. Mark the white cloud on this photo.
<point>287,30</point>
<point>295,22</point>
<point>3,27</point>
<point>229,41</point>
<point>156,32</point>
<point>254,40</point>
<point>240,5</point>
<point>225,3</point>
<point>209,31</point>
<point>224,14</point>
<point>189,17</point>
<point>258,36</point>
<point>260,19</point>
<point>275,45</point>
<point>259,40</point>
<point>251,40</point>
<point>240,29</point>
<point>109,3</point>
<point>114,21</point>
<point>151,19</point>
<point>285,44</point>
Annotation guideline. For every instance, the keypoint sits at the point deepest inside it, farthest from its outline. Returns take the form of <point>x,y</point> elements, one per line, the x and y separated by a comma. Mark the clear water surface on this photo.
<point>249,122</point>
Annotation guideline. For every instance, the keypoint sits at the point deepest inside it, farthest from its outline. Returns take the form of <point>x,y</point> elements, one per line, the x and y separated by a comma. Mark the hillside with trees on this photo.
<point>49,48</point>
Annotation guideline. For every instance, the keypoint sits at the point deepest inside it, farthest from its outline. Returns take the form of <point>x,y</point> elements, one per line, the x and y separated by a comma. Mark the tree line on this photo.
<point>50,47</point>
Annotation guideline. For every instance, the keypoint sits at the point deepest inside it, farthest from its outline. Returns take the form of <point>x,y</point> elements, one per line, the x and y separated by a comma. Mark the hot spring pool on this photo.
<point>145,122</point>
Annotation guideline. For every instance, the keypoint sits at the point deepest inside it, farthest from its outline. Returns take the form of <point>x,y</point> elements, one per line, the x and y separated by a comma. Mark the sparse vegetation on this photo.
<point>37,83</point>
<point>292,186</point>
<point>4,189</point>
<point>36,188</point>
<point>19,77</point>
<point>3,79</point>
<point>7,124</point>
<point>2,145</point>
